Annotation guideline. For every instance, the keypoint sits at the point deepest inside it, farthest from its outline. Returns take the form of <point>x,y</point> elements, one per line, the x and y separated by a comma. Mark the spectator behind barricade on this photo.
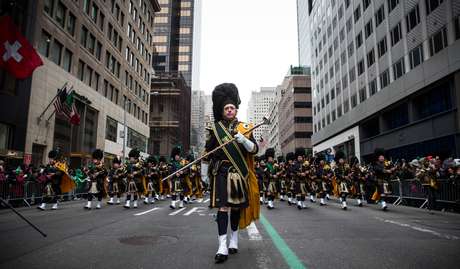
<point>2,171</point>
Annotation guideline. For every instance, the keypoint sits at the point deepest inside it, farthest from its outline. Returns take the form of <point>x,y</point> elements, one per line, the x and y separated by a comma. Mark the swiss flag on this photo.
<point>17,55</point>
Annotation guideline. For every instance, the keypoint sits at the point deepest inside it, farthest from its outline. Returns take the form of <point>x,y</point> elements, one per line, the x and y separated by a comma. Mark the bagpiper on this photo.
<point>271,171</point>
<point>165,185</point>
<point>382,173</point>
<point>358,180</point>
<point>152,175</point>
<point>234,186</point>
<point>282,183</point>
<point>117,175</point>
<point>341,173</point>
<point>52,180</point>
<point>290,177</point>
<point>301,172</point>
<point>135,178</point>
<point>178,180</point>
<point>96,176</point>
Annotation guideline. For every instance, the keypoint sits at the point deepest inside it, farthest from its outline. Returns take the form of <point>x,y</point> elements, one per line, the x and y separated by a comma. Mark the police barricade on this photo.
<point>31,192</point>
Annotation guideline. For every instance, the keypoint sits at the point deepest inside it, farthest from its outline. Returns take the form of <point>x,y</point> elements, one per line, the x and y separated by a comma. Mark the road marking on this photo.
<point>205,201</point>
<point>253,232</point>
<point>177,211</point>
<point>420,229</point>
<point>289,256</point>
<point>198,209</point>
<point>145,212</point>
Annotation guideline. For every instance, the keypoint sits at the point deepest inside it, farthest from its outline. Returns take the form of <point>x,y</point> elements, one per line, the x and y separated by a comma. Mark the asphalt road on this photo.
<point>154,236</point>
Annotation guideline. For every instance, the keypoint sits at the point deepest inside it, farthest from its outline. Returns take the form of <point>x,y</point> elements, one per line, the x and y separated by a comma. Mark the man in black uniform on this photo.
<point>234,186</point>
<point>116,177</point>
<point>53,181</point>
<point>97,174</point>
<point>135,176</point>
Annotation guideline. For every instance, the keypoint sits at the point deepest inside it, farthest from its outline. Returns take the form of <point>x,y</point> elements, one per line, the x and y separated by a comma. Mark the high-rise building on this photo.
<point>259,107</point>
<point>303,31</point>
<point>273,127</point>
<point>197,122</point>
<point>100,49</point>
<point>386,74</point>
<point>173,38</point>
<point>295,115</point>
<point>208,114</point>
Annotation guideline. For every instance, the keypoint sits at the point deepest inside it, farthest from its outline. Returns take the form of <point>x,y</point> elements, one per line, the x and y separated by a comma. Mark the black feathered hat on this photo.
<point>256,158</point>
<point>190,158</point>
<point>290,156</point>
<point>151,159</point>
<point>339,155</point>
<point>175,151</point>
<point>53,154</point>
<point>378,152</point>
<point>162,159</point>
<point>320,157</point>
<point>270,152</point>
<point>224,94</point>
<point>98,154</point>
<point>354,160</point>
<point>116,160</point>
<point>280,159</point>
<point>299,152</point>
<point>134,153</point>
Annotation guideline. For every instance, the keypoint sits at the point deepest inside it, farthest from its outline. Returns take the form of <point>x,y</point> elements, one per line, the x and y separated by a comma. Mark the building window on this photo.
<point>339,111</point>
<point>352,74</point>
<point>347,3</point>
<point>86,6</point>
<point>416,56</point>
<point>49,7</point>
<point>361,67</point>
<point>413,18</point>
<point>344,82</point>
<point>96,81</point>
<point>349,25</point>
<point>342,35</point>
<point>373,87</point>
<point>81,69</point>
<point>457,27</point>
<point>354,101</point>
<point>368,29</point>
<point>346,106</point>
<point>340,12</point>
<point>98,50</point>
<point>438,41</point>
<point>67,60</point>
<point>101,21</point>
<point>366,4</point>
<point>399,69</point>
<point>44,46</point>
<point>359,40</point>
<point>432,5</point>
<point>56,52</point>
<point>83,36</point>
<point>351,48</point>
<point>94,12</point>
<point>396,34</point>
<point>362,95</point>
<point>60,14</point>
<point>384,79</point>
<point>380,15</point>
<point>111,129</point>
<point>392,4</point>
<point>357,13</point>
<point>370,58</point>
<point>437,100</point>
<point>332,94</point>
<point>382,46</point>
<point>71,24</point>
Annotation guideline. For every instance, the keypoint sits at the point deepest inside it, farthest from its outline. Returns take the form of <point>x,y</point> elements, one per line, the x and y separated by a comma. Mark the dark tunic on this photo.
<point>219,168</point>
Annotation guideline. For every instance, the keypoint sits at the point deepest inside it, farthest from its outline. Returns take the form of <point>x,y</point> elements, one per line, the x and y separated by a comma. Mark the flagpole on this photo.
<point>48,106</point>
<point>54,112</point>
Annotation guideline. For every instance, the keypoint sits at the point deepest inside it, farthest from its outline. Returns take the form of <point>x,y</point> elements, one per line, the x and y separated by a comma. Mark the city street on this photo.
<point>154,236</point>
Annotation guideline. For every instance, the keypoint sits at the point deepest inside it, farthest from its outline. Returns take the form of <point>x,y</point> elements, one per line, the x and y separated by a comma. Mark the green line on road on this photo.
<point>289,256</point>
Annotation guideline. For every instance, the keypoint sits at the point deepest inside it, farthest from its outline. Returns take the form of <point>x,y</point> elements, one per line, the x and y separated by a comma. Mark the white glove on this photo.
<point>247,144</point>
<point>204,172</point>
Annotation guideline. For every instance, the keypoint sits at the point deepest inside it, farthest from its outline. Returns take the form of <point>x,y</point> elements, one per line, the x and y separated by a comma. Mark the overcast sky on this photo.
<point>250,43</point>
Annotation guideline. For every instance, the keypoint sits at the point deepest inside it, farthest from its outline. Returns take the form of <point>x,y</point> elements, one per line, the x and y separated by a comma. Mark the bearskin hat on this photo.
<point>280,159</point>
<point>270,152</point>
<point>190,158</point>
<point>175,151</point>
<point>299,152</point>
<point>378,152</point>
<point>151,159</point>
<point>53,154</point>
<point>162,159</point>
<point>98,154</point>
<point>256,158</point>
<point>116,160</point>
<point>320,157</point>
<point>339,155</point>
<point>224,94</point>
<point>290,156</point>
<point>134,153</point>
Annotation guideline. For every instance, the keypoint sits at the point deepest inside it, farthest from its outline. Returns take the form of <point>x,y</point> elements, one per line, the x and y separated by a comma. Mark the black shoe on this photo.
<point>220,258</point>
<point>232,250</point>
<point>360,205</point>
<point>299,207</point>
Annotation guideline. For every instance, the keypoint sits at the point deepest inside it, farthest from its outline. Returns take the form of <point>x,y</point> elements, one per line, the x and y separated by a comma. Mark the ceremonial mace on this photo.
<point>22,217</point>
<point>264,122</point>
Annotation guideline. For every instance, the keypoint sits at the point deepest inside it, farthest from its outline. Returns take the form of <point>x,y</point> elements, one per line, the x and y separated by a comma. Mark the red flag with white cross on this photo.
<point>17,55</point>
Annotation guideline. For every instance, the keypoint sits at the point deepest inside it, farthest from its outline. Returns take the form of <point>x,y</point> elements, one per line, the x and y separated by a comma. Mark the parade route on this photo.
<point>154,236</point>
